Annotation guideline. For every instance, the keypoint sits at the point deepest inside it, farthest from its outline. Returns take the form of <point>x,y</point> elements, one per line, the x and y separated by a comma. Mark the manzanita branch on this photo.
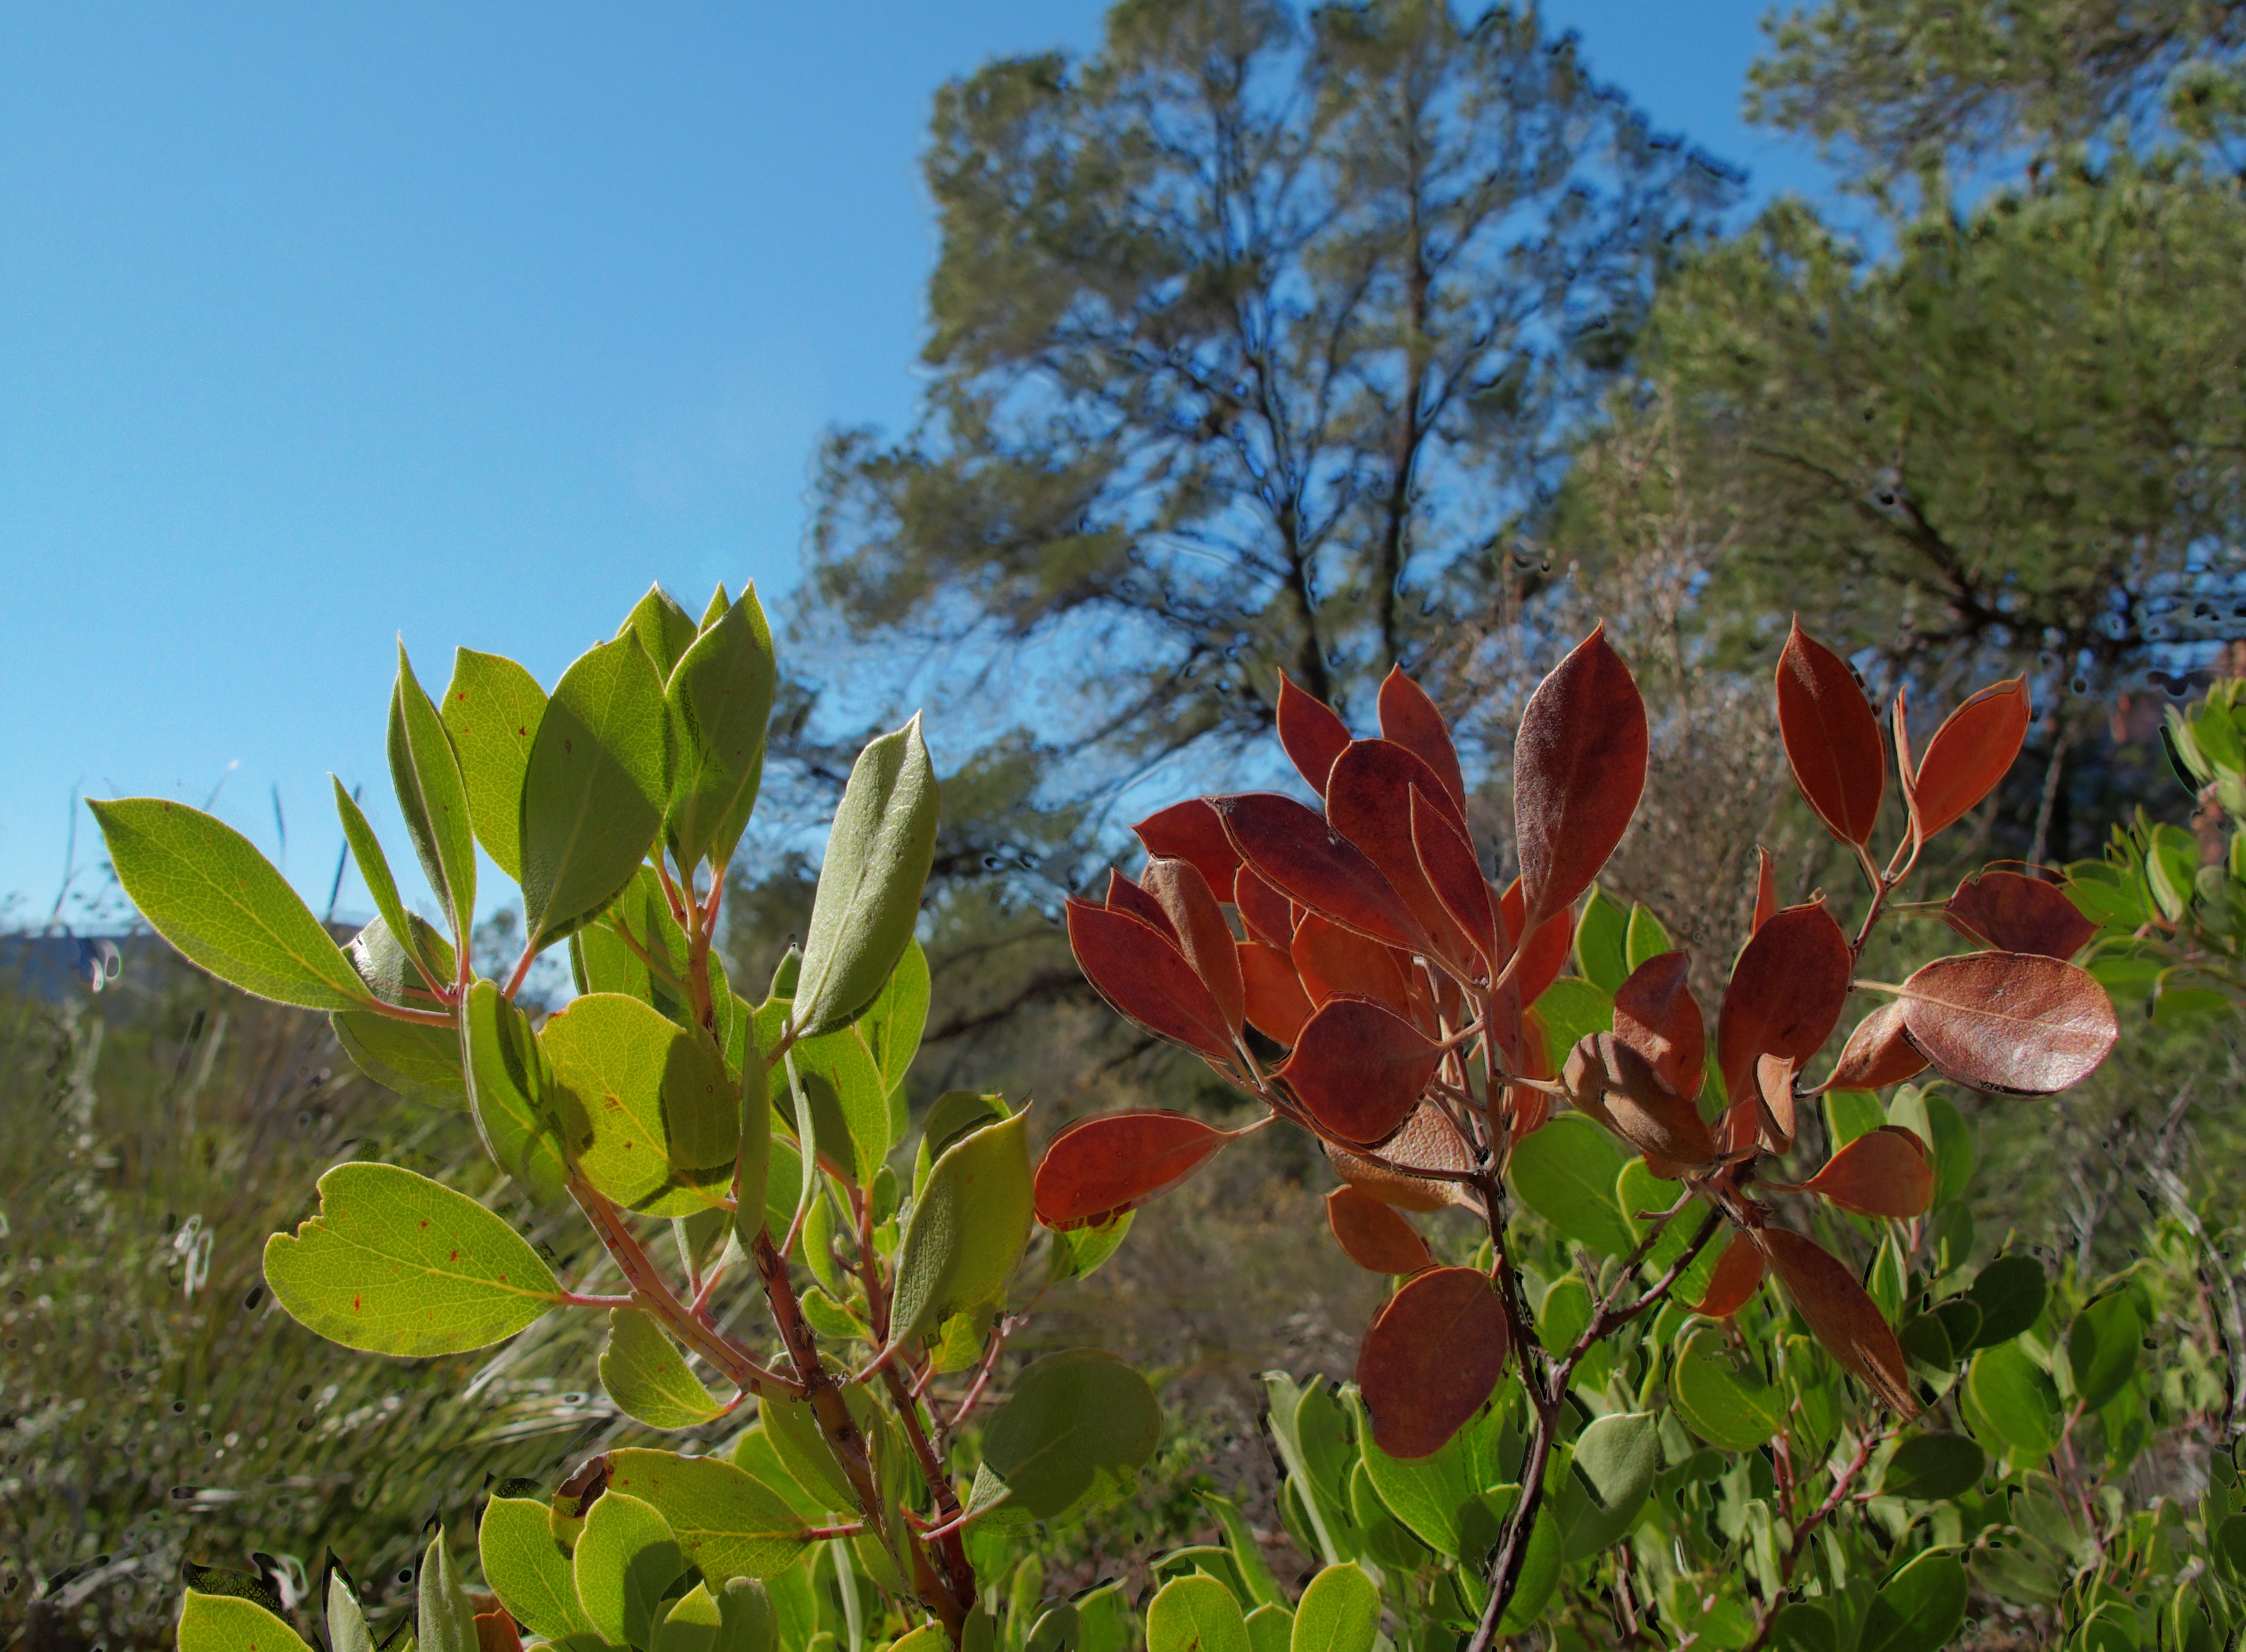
<point>1871,1443</point>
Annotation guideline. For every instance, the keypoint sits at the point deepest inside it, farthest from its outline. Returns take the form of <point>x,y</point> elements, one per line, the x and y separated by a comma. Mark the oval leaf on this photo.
<point>728,1523</point>
<point>1295,851</point>
<point>1655,1015</point>
<point>1832,738</point>
<point>233,1623</point>
<point>1373,1235</point>
<point>1446,859</point>
<point>646,1376</point>
<point>1578,769</point>
<point>719,696</point>
<point>663,1119</point>
<point>1428,1141</point>
<point>527,1569</point>
<point>1842,1316</point>
<point>1919,1609</point>
<point>1340,1612</point>
<point>1074,1420</point>
<point>1410,719</point>
<point>1609,1477</point>
<point>492,709</point>
<point>1785,995</point>
<point>1934,1467</point>
<point>1358,1068</point>
<point>1144,977</point>
<point>425,770</point>
<point>2014,912</point>
<point>1969,754</point>
<point>1101,1167</point>
<point>1369,801</point>
<point>1196,1613</point>
<point>1614,1083</point>
<point>966,1230</point>
<point>626,1560</point>
<point>1309,731</point>
<point>1737,1277</point>
<point>1431,1359</point>
<point>1886,1172</point>
<point>1877,1054</point>
<point>1191,831</point>
<point>2009,1021</point>
<point>1727,1403</point>
<point>1267,916</point>
<point>1331,962</point>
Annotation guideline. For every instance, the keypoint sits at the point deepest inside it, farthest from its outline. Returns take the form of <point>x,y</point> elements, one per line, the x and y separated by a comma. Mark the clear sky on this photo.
<point>467,321</point>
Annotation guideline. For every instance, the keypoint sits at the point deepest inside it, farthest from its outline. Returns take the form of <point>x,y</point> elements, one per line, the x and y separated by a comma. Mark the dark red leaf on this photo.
<point>1766,888</point>
<point>1615,1085</point>
<point>1268,915</point>
<point>1357,1068</point>
<point>1786,992</point>
<point>1190,830</point>
<point>1832,738</point>
<point>1578,768</point>
<point>1431,1359</point>
<point>1137,969</point>
<point>1410,719</point>
<point>1841,1315</point>
<point>1332,962</point>
<point>1738,1275</point>
<point>1104,1166</point>
<point>1203,936</point>
<point>1276,1005</point>
<point>1369,802</point>
<point>1373,1235</point>
<point>1313,734</point>
<point>2009,1021</point>
<point>1297,854</point>
<point>1877,1053</point>
<point>1123,895</point>
<point>1546,954</point>
<point>2014,912</point>
<point>1969,754</point>
<point>1884,1173</point>
<point>1656,1014</point>
<point>495,1632</point>
<point>1428,1141</point>
<point>1446,858</point>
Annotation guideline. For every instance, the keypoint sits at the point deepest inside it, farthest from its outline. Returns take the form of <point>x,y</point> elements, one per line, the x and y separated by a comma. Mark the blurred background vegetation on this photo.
<point>1317,341</point>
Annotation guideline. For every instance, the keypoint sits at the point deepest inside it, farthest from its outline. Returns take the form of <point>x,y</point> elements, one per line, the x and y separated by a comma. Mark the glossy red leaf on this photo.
<point>1311,733</point>
<point>1656,1014</point>
<point>1427,1142</point>
<point>1738,1275</point>
<point>1191,831</point>
<point>1295,851</point>
<point>2014,912</point>
<point>1825,1292</point>
<point>1969,754</point>
<point>1123,895</point>
<point>1369,802</point>
<point>1203,936</point>
<point>1276,1005</point>
<point>1431,1359</point>
<point>1877,1054</point>
<point>2009,1021</point>
<point>1578,769</point>
<point>1832,738</point>
<point>1766,905</point>
<point>1546,952</point>
<point>1410,719</point>
<point>1332,962</point>
<point>1138,971</point>
<point>1884,1173</point>
<point>1357,1068</point>
<point>1267,914</point>
<point>1786,992</point>
<point>1775,1105</point>
<point>1103,1166</point>
<point>1373,1235</point>
<point>1446,859</point>
<point>1615,1085</point>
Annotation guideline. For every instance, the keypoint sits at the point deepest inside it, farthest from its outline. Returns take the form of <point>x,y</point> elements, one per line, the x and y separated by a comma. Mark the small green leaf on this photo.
<point>1602,943</point>
<point>793,1429</point>
<point>1247,1554</point>
<point>878,854</point>
<point>720,697</point>
<point>967,1229</point>
<point>840,1063</point>
<point>663,629</point>
<point>527,1569</point>
<point>1805,1626</point>
<point>1952,1142</point>
<point>647,1377</point>
<point>1608,1479</point>
<point>2102,1348</point>
<point>1196,1613</point>
<point>753,1162</point>
<point>1917,1609</point>
<point>492,709</point>
<point>228,1623</point>
<point>691,1624</point>
<point>626,1558</point>
<point>892,1026</point>
<point>373,864</point>
<point>2016,1397</point>
<point>530,1125</point>
<point>1933,1467</point>
<point>347,1630</point>
<point>1078,1251</point>
<point>204,888</point>
<point>1540,1573</point>
<point>420,1063</point>
<point>665,1121</point>
<point>443,1617</point>
<point>2010,1293</point>
<point>396,1263</point>
<point>1851,1113</point>
<point>1340,1612</point>
<point>1566,1172</point>
<point>1075,1419</point>
<point>1725,1404</point>
<point>389,972</point>
<point>427,773</point>
<point>1571,1009</point>
<point>950,1116</point>
<point>746,1621</point>
<point>1646,938</point>
<point>728,1523</point>
<point>1271,1629</point>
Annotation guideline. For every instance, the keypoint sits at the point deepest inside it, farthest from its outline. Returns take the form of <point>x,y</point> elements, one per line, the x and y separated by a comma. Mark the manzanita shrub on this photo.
<point>717,1148</point>
<point>1505,1433</point>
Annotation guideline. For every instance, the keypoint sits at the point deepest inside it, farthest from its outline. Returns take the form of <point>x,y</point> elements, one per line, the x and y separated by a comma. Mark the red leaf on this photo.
<point>1313,734</point>
<point>1359,1068</point>
<point>1738,1275</point>
<point>1373,1235</point>
<point>495,1632</point>
<point>1428,1141</point>
<point>1969,754</point>
<point>1103,1166</point>
<point>1546,954</point>
<point>1123,895</point>
<point>1446,858</point>
<point>1410,719</point>
<point>1877,1053</point>
<point>1766,888</point>
<point>1369,802</point>
<point>2013,913</point>
<point>1832,738</point>
<point>1267,914</point>
<point>1335,963</point>
<point>1656,1014</point>
<point>1137,969</point>
<point>2009,1021</point>
<point>1203,936</point>
<point>1841,1315</point>
<point>1431,1359</point>
<point>1775,1110</point>
<point>1786,992</point>
<point>1190,830</point>
<point>1615,1085</point>
<point>1276,1005</point>
<point>1578,768</point>
<point>1883,1173</point>
<point>1297,854</point>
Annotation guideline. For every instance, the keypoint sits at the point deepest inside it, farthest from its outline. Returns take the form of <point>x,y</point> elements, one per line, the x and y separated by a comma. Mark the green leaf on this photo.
<point>646,1376</point>
<point>373,865</point>
<point>1646,938</point>
<point>594,788</point>
<point>950,1116</point>
<point>691,1624</point>
<point>527,1569</point>
<point>1340,1612</point>
<point>427,773</point>
<point>1075,1419</point>
<point>386,969</point>
<point>1933,1467</point>
<point>1952,1141</point>
<point>1851,1113</point>
<point>2010,1294</point>
<point>1078,1251</point>
<point>753,1162</point>
<point>420,1063</point>
<point>663,629</point>
<point>746,1621</point>
<point>228,1623</point>
<point>1602,943</point>
<point>530,1125</point>
<point>878,853</point>
<point>1917,1609</point>
<point>1540,1574</point>
<point>1440,1500</point>
<point>492,709</point>
<point>1565,1173</point>
<point>893,1024</point>
<point>443,1617</point>
<point>793,1429</point>
<point>966,1230</point>
<point>720,697</point>
<point>1563,1313</point>
<point>2102,1348</point>
<point>1571,1009</point>
<point>729,1524</point>
<point>1247,1554</point>
<point>1612,1471</point>
<point>1805,1626</point>
<point>1727,1403</point>
<point>836,1069</point>
<point>1196,1613</point>
<point>665,1122</point>
<point>395,1263</point>
<point>204,888</point>
<point>626,1558</point>
<point>1271,1629</point>
<point>1103,1621</point>
<point>347,1630</point>
<point>2016,1397</point>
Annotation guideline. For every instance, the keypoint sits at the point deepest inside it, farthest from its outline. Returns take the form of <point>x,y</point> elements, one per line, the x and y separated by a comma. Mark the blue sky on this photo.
<point>464,322</point>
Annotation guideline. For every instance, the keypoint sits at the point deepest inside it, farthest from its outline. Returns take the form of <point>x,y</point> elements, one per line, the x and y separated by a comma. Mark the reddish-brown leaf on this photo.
<point>1297,854</point>
<point>1332,962</point>
<point>1123,895</point>
<point>1832,738</point>
<point>1738,1275</point>
<point>1841,1315</point>
<point>1969,754</point>
<point>1428,1141</point>
<point>1104,1166</point>
<point>1546,954</point>
<point>1410,719</point>
<point>1656,1014</point>
<point>1203,936</point>
<point>1276,1005</point>
<point>1883,1173</point>
<point>1190,830</point>
<point>1578,768</point>
<point>2009,1021</point>
<point>1431,1359</point>
<point>1615,1085</point>
<point>1786,992</point>
<point>1369,802</point>
<point>1268,915</point>
<point>1446,858</point>
<point>1357,1068</point>
<point>495,1632</point>
<point>1766,888</point>
<point>1775,1102</point>
<point>1373,1235</point>
<point>2014,912</point>
<point>1311,733</point>
<point>1144,977</point>
<point>1877,1053</point>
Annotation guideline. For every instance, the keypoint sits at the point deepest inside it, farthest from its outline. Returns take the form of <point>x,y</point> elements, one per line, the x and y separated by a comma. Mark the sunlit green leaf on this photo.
<point>646,1376</point>
<point>420,1063</point>
<point>1608,1479</point>
<point>720,697</point>
<point>1566,1172</point>
<point>728,1523</point>
<point>1339,1612</point>
<point>443,1617</point>
<point>1602,943</point>
<point>664,1121</point>
<point>492,709</point>
<point>425,771</point>
<point>530,1124</point>
<point>967,1228</point>
<point>626,1558</point>
<point>527,1569</point>
<point>1196,1613</point>
<point>2016,1397</point>
<point>228,1623</point>
<point>1721,1400</point>
<point>663,629</point>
